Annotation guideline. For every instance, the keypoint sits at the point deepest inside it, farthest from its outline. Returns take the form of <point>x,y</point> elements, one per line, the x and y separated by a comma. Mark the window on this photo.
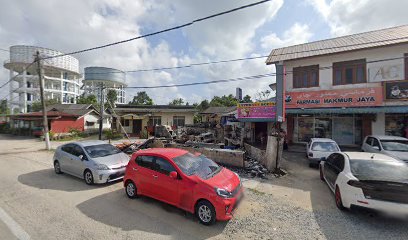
<point>338,162</point>
<point>325,147</point>
<point>305,77</point>
<point>65,86</point>
<point>68,148</point>
<point>65,76</point>
<point>90,124</point>
<point>376,143</point>
<point>125,122</point>
<point>28,97</point>
<point>145,161</point>
<point>153,121</point>
<point>28,84</point>
<point>101,150</point>
<point>77,151</point>
<point>179,121</point>
<point>350,72</point>
<point>406,65</point>
<point>163,166</point>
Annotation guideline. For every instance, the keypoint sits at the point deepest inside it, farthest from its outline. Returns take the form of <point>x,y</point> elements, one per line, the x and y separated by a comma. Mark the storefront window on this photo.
<point>395,124</point>
<point>305,129</point>
<point>358,130</point>
<point>323,128</point>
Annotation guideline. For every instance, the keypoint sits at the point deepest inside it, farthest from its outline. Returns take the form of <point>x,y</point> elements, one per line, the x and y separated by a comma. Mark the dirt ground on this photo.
<point>35,203</point>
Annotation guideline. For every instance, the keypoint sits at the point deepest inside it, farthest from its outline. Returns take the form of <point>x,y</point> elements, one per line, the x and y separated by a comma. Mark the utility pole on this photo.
<point>44,111</point>
<point>102,109</point>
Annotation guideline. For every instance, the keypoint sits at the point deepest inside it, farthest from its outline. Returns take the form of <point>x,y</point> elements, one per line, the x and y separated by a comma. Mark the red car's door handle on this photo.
<point>134,169</point>
<point>155,176</point>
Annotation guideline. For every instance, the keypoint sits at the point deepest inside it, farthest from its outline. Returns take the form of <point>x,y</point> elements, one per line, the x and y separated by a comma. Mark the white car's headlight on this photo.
<point>223,193</point>
<point>102,167</point>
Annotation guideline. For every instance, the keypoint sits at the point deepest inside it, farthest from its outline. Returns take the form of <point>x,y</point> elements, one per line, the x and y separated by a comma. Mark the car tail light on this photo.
<point>310,154</point>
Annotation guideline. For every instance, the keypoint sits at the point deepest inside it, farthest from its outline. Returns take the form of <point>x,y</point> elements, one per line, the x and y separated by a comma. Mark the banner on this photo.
<point>353,97</point>
<point>256,110</point>
<point>397,90</point>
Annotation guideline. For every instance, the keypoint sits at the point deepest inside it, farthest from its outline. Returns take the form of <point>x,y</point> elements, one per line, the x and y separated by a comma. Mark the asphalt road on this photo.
<point>35,203</point>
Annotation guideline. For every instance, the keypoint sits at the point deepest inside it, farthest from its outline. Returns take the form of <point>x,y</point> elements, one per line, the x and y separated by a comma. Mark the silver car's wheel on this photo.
<point>88,177</point>
<point>57,167</point>
<point>131,190</point>
<point>205,212</point>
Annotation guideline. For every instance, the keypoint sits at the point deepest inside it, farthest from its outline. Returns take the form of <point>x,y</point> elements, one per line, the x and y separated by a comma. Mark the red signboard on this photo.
<point>257,110</point>
<point>353,97</point>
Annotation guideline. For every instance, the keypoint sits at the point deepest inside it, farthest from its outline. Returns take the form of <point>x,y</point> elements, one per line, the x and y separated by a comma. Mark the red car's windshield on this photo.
<point>200,165</point>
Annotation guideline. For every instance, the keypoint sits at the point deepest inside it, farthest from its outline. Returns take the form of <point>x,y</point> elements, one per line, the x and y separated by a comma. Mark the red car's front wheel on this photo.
<point>205,212</point>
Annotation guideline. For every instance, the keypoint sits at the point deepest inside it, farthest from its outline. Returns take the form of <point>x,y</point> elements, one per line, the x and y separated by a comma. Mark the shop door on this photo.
<point>137,126</point>
<point>343,130</point>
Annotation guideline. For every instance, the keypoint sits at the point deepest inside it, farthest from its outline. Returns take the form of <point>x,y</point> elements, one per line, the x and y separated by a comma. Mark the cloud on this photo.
<point>298,33</point>
<point>349,16</point>
<point>73,25</point>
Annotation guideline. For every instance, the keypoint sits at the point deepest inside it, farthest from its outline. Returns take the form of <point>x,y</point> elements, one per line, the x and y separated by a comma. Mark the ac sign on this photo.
<point>385,73</point>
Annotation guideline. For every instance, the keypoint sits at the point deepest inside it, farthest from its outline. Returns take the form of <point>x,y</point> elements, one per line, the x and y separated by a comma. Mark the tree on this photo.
<point>177,101</point>
<point>111,98</point>
<point>203,105</point>
<point>141,98</point>
<point>224,101</point>
<point>3,107</point>
<point>90,99</point>
<point>246,99</point>
<point>37,106</point>
<point>264,95</point>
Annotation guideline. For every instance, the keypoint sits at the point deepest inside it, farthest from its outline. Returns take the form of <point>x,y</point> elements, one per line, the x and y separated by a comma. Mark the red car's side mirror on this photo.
<point>173,175</point>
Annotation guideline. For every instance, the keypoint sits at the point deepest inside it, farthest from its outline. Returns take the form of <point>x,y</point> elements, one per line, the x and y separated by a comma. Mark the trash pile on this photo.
<point>255,169</point>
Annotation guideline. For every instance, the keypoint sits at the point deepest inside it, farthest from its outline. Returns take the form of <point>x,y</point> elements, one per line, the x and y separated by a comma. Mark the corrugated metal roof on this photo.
<point>357,110</point>
<point>218,110</point>
<point>377,38</point>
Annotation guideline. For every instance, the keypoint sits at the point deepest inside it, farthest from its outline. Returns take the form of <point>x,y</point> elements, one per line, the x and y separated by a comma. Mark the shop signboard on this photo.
<point>257,110</point>
<point>397,90</point>
<point>353,97</point>
<point>388,72</point>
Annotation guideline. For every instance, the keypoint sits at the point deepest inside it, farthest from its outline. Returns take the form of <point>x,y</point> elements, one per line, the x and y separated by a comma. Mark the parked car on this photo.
<point>190,182</point>
<point>318,148</point>
<point>396,147</point>
<point>93,161</point>
<point>368,180</point>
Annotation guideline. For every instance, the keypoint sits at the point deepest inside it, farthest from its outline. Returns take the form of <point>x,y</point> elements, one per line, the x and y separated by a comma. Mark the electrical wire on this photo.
<point>162,31</point>
<point>245,59</point>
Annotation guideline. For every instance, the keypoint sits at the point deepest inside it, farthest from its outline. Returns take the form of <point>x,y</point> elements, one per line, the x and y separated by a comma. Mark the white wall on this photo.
<point>378,126</point>
<point>95,118</point>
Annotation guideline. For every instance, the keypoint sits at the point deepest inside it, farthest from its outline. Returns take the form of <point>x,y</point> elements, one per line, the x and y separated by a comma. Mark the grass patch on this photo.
<point>256,191</point>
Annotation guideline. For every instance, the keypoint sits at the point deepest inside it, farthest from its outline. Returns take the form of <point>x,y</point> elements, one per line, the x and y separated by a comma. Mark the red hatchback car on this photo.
<point>191,182</point>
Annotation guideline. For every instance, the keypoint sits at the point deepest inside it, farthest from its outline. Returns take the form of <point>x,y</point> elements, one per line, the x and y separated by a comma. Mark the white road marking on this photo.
<point>14,227</point>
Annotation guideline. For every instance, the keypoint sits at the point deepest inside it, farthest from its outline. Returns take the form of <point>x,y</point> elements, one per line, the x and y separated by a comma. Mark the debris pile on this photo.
<point>254,168</point>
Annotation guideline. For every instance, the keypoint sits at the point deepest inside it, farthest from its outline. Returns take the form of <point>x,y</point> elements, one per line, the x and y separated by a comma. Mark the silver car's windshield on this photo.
<point>394,145</point>
<point>101,150</point>
<point>325,147</point>
<point>196,165</point>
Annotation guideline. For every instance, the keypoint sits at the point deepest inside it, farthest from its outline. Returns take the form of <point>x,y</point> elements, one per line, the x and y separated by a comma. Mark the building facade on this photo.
<point>346,88</point>
<point>61,77</point>
<point>135,119</point>
<point>109,78</point>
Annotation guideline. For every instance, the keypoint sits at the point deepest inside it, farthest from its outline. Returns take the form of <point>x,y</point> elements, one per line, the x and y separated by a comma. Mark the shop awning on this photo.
<point>256,119</point>
<point>356,110</point>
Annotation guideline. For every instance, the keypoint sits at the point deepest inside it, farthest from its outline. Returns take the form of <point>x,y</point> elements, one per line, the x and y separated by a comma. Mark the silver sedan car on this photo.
<point>93,161</point>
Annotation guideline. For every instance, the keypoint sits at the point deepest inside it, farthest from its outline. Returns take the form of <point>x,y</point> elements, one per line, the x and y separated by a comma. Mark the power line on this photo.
<point>163,31</point>
<point>11,79</point>
<point>253,77</point>
<point>246,58</point>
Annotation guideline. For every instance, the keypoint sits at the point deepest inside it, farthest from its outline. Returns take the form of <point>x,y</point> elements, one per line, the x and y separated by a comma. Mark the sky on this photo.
<point>76,24</point>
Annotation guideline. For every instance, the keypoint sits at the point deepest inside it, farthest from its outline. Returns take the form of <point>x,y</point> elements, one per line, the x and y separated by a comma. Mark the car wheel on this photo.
<point>131,190</point>
<point>339,203</point>
<point>57,167</point>
<point>205,212</point>
<point>88,177</point>
<point>321,173</point>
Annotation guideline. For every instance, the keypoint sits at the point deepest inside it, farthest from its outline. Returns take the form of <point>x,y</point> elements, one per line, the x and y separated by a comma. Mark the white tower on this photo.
<point>61,77</point>
<point>110,78</point>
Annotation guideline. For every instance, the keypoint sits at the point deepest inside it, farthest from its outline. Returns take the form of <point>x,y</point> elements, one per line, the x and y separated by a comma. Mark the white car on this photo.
<point>396,147</point>
<point>369,180</point>
<point>318,148</point>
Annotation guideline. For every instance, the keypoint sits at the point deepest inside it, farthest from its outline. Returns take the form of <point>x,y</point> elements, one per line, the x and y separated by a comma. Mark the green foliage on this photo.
<point>90,99</point>
<point>141,98</point>
<point>75,132</point>
<point>111,98</point>
<point>5,128</point>
<point>37,106</point>
<point>203,105</point>
<point>224,101</point>
<point>264,95</point>
<point>197,118</point>
<point>246,99</point>
<point>110,134</point>
<point>3,107</point>
<point>51,134</point>
<point>177,101</point>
